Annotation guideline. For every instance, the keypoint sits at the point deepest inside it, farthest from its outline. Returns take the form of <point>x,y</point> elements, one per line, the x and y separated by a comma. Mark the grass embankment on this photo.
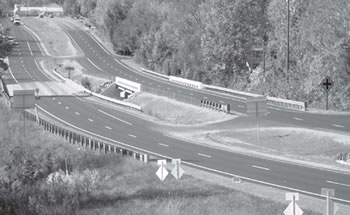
<point>55,40</point>
<point>112,185</point>
<point>318,147</point>
<point>177,113</point>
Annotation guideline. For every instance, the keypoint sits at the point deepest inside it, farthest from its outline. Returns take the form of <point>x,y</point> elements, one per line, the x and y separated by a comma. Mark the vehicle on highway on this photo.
<point>11,40</point>
<point>17,21</point>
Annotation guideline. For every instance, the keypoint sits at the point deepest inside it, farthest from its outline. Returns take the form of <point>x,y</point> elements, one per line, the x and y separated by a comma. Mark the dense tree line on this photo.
<point>215,41</point>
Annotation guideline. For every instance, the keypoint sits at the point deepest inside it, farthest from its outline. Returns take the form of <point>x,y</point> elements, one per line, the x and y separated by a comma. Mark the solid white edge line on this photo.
<point>94,64</point>
<point>192,164</point>
<point>101,111</point>
<point>337,183</point>
<point>13,76</point>
<point>338,126</point>
<point>131,135</point>
<point>162,144</point>
<point>204,155</point>
<point>108,127</point>
<point>30,49</point>
<point>35,36</point>
<point>260,167</point>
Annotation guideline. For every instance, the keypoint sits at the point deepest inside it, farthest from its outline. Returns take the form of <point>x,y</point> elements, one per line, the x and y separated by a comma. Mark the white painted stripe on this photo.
<point>338,126</point>
<point>67,107</point>
<point>13,76</point>
<point>150,83</point>
<point>179,91</point>
<point>188,163</point>
<point>77,113</point>
<point>168,88</point>
<point>204,155</point>
<point>337,183</point>
<point>260,167</point>
<point>131,135</point>
<point>108,127</point>
<point>241,106</point>
<point>30,49</point>
<point>162,144</point>
<point>101,111</point>
<point>59,103</point>
<point>191,94</point>
<point>298,119</point>
<point>158,85</point>
<point>94,64</point>
<point>91,120</point>
<point>53,98</point>
<point>205,97</point>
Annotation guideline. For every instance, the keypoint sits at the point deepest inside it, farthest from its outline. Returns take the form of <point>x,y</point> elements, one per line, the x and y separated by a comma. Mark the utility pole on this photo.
<point>288,14</point>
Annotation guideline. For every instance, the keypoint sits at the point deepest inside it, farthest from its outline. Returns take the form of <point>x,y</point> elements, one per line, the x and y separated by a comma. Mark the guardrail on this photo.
<point>155,73</point>
<point>115,101</point>
<point>290,104</point>
<point>186,82</point>
<point>84,140</point>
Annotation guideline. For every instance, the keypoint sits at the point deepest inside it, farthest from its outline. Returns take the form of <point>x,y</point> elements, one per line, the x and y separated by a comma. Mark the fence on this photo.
<point>84,140</point>
<point>343,158</point>
<point>188,99</point>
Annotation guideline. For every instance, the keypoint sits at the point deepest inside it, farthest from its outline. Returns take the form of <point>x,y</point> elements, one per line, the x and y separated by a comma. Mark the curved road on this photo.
<point>124,127</point>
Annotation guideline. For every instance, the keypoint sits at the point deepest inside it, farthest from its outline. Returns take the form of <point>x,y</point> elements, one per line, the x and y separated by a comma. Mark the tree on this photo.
<point>86,83</point>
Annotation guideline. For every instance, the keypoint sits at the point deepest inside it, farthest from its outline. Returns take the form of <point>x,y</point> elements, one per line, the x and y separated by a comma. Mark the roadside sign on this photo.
<point>23,99</point>
<point>177,172</point>
<point>289,196</point>
<point>162,172</point>
<point>331,207</point>
<point>327,83</point>
<point>293,209</point>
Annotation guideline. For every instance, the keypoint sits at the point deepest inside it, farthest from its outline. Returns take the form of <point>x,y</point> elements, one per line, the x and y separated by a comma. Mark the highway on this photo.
<point>104,62</point>
<point>125,127</point>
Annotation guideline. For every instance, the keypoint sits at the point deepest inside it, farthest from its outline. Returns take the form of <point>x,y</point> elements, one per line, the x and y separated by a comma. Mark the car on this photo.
<point>51,16</point>
<point>11,40</point>
<point>17,21</point>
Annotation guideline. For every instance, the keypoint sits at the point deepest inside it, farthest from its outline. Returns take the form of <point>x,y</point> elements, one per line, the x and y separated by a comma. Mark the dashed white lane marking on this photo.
<point>204,155</point>
<point>162,144</point>
<point>241,106</point>
<point>260,167</point>
<point>168,88</point>
<point>337,183</point>
<point>131,135</point>
<point>59,103</point>
<point>159,86</point>
<point>143,81</point>
<point>91,120</point>
<point>179,91</point>
<point>108,127</point>
<point>67,107</point>
<point>150,83</point>
<point>77,113</point>
<point>101,111</point>
<point>338,126</point>
<point>53,98</point>
<point>191,94</point>
<point>298,119</point>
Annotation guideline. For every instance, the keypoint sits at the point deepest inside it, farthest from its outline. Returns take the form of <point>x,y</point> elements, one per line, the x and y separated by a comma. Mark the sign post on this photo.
<point>327,84</point>
<point>293,208</point>
<point>23,99</point>
<point>162,171</point>
<point>257,106</point>
<point>331,207</point>
<point>69,68</point>
<point>177,172</point>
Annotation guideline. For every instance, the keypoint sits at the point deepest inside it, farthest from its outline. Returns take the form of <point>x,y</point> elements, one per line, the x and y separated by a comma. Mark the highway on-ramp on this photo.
<point>124,127</point>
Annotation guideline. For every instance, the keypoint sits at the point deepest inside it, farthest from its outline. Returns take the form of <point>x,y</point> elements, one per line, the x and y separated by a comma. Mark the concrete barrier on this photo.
<point>186,82</point>
<point>216,106</point>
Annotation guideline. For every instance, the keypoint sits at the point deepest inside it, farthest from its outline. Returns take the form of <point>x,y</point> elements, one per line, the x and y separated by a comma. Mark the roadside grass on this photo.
<point>55,40</point>
<point>286,143</point>
<point>177,113</point>
<point>127,186</point>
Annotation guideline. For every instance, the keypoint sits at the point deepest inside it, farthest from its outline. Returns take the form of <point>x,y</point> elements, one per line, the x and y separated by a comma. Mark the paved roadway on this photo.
<point>99,59</point>
<point>129,129</point>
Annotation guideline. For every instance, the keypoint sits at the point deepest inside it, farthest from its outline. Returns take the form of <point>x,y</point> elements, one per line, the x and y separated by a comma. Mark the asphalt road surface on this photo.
<point>126,128</point>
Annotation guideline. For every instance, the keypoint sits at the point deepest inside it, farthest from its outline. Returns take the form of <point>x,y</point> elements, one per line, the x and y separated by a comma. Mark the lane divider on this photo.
<point>204,155</point>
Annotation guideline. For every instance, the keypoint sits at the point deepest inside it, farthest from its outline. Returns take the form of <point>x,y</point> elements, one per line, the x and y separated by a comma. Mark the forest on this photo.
<point>226,42</point>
